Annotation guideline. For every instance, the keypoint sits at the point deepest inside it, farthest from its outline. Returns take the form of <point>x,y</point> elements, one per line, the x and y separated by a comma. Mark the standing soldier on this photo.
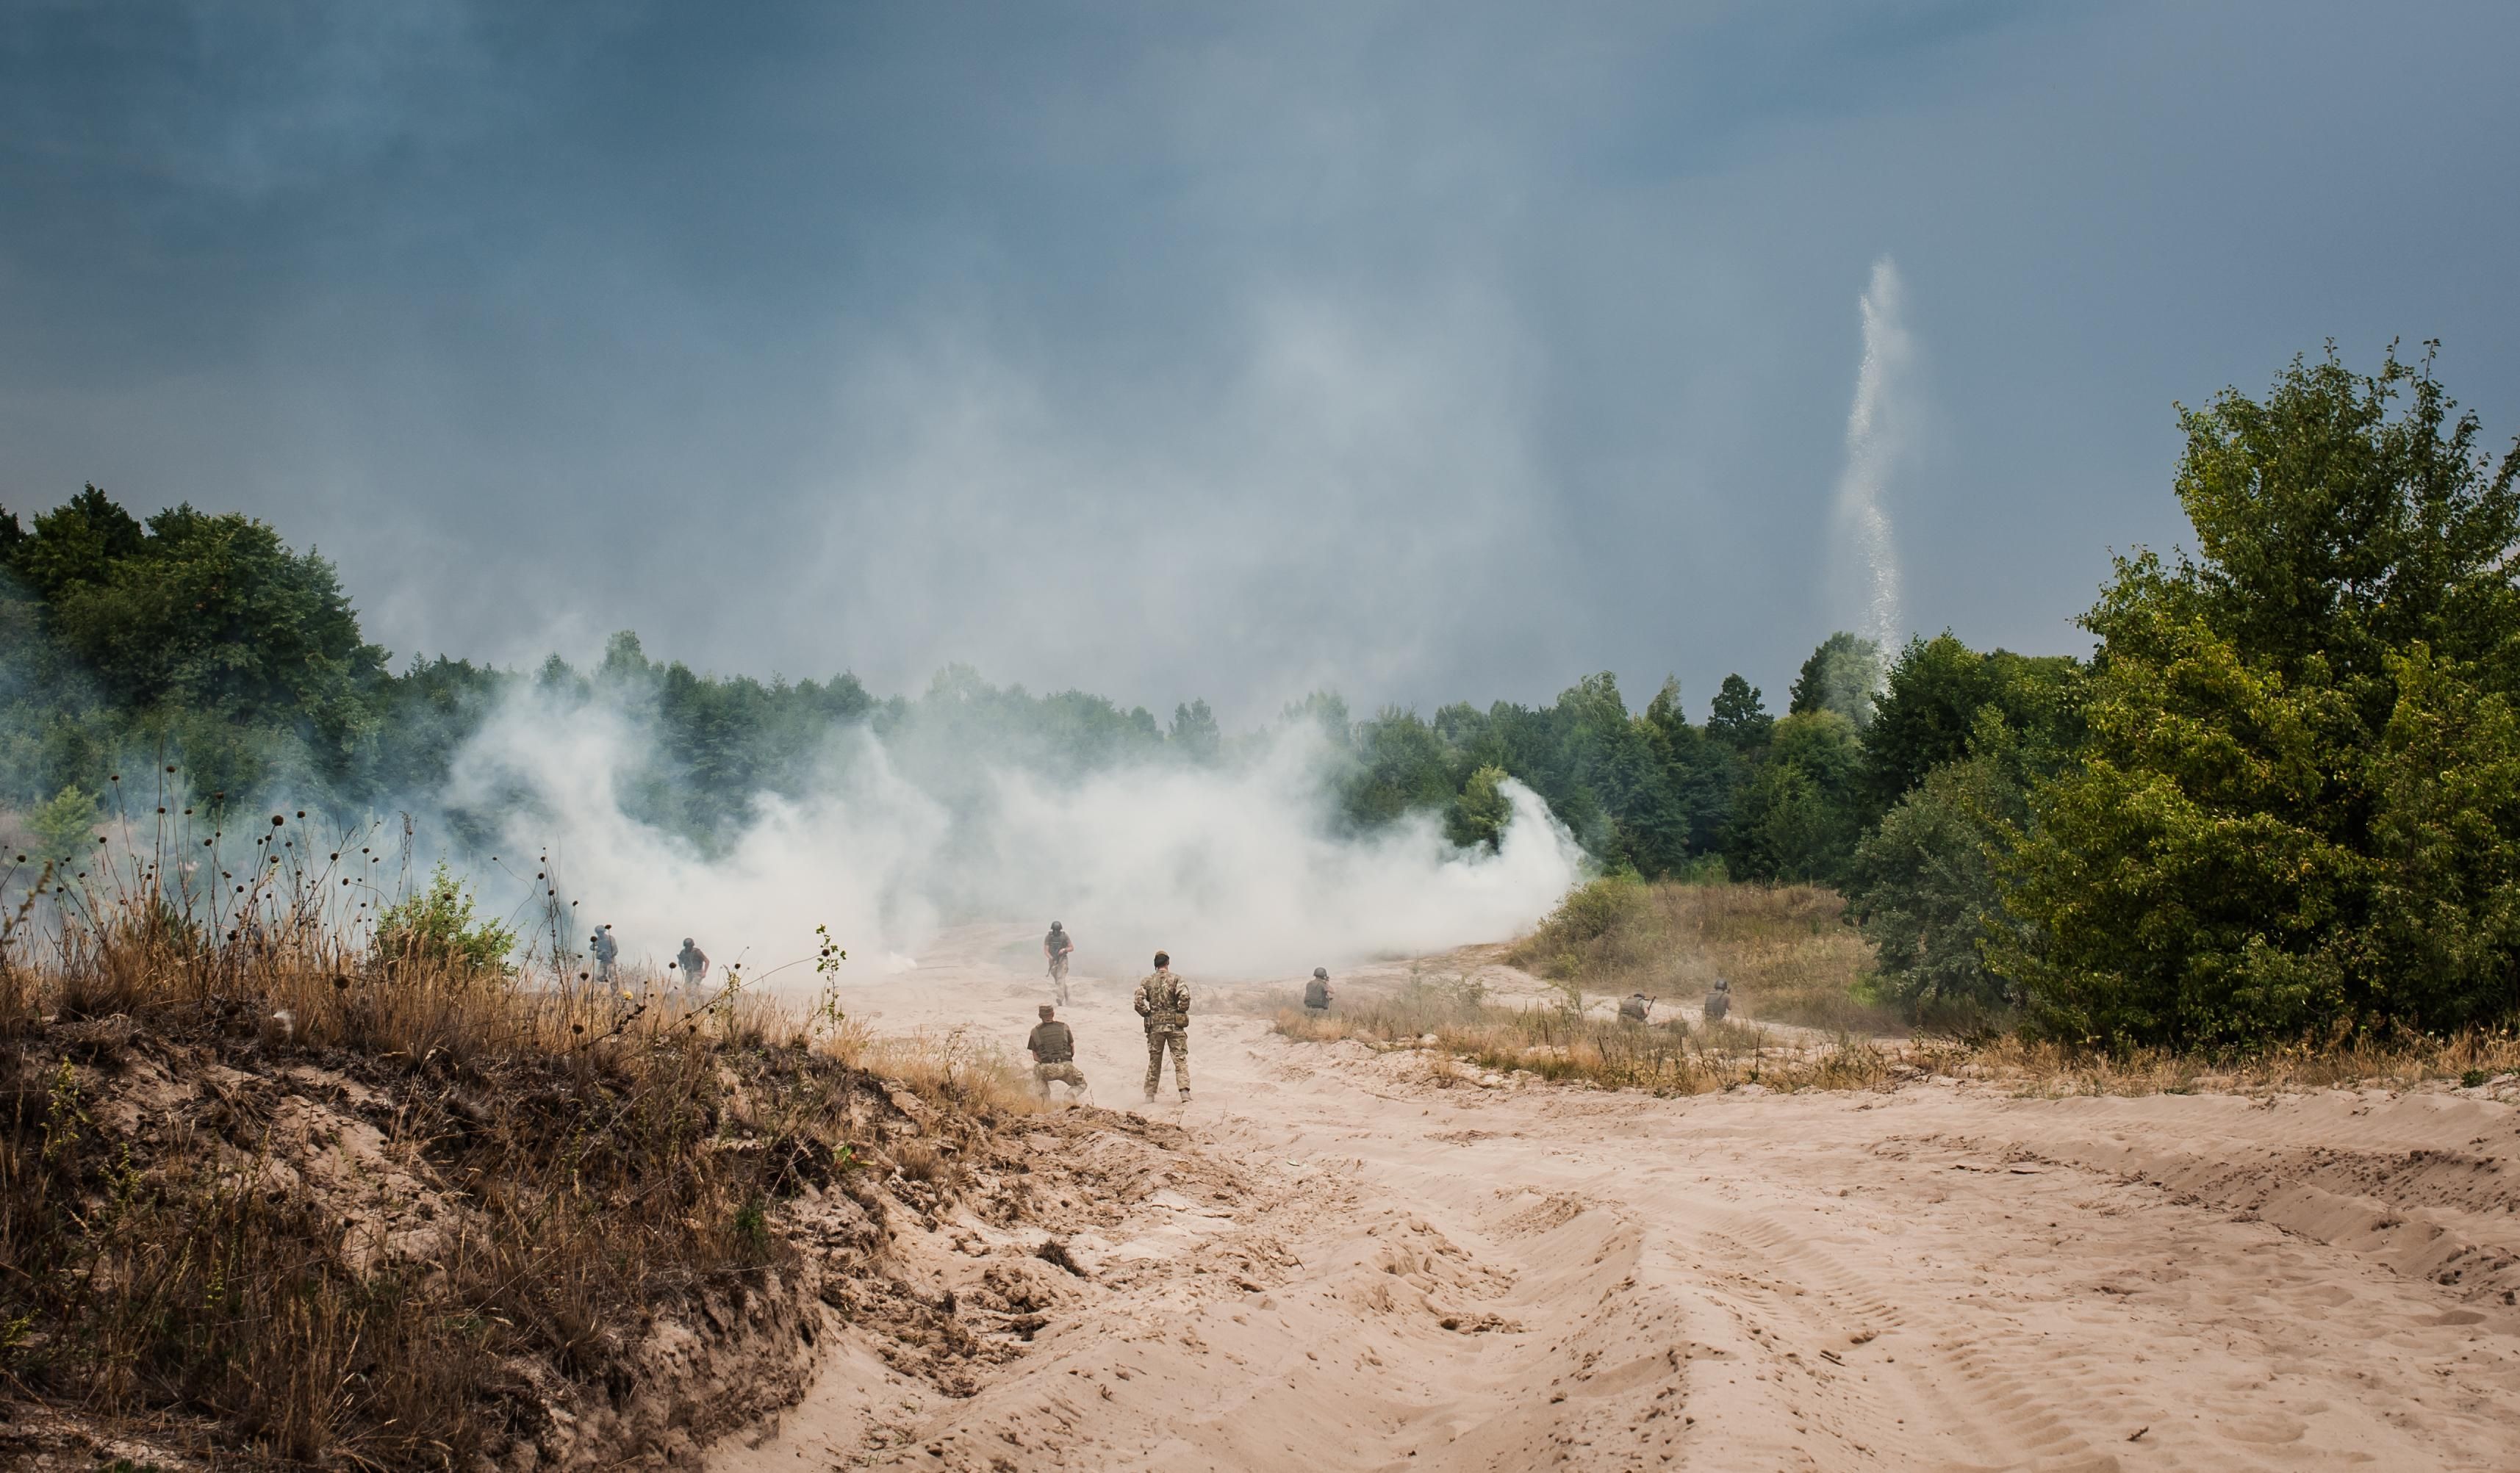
<point>1055,946</point>
<point>1316,992</point>
<point>1053,1056</point>
<point>693,963</point>
<point>606,949</point>
<point>1163,1001</point>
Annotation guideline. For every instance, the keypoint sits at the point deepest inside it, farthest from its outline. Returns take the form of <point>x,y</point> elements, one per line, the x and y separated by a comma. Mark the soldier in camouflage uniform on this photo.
<point>1635,1008</point>
<point>1163,1001</point>
<point>1054,1054</point>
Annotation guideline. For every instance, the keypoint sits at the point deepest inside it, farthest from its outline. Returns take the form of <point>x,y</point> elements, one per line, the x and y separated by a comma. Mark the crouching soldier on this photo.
<point>1719,1003</point>
<point>1634,1007</point>
<point>1053,1056</point>
<point>1316,990</point>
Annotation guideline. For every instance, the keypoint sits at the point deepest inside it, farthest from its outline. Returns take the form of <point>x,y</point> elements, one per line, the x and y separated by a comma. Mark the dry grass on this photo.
<point>1792,959</point>
<point>952,1066</point>
<point>1463,1035</point>
<point>1790,950</point>
<point>177,1254</point>
<point>2347,1061</point>
<point>1455,1024</point>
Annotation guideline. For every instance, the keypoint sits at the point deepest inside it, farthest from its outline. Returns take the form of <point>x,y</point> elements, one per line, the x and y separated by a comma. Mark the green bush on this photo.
<point>438,925</point>
<point>66,826</point>
<point>1590,911</point>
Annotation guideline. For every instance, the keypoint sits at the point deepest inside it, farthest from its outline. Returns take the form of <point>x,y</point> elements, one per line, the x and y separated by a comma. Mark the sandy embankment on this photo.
<point>1348,1268</point>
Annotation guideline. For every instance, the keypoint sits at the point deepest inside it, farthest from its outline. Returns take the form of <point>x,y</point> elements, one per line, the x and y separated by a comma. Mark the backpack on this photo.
<point>1316,994</point>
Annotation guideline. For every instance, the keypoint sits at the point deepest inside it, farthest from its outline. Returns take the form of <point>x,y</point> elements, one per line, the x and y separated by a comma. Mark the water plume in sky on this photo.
<point>1866,554</point>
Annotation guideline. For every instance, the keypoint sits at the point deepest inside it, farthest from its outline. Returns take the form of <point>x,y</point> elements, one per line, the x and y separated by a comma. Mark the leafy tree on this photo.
<point>2296,804</point>
<point>1705,777</point>
<point>1840,676</point>
<point>66,826</point>
<point>1481,811</point>
<point>209,612</point>
<point>1738,719</point>
<point>1195,734</point>
<point>1325,710</point>
<point>1798,819</point>
<point>1932,698</point>
<point>1923,881</point>
<point>1615,758</point>
<point>77,542</point>
<point>1400,766</point>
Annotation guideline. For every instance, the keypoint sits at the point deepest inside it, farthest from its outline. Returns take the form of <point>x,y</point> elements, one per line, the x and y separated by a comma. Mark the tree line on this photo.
<point>2282,794</point>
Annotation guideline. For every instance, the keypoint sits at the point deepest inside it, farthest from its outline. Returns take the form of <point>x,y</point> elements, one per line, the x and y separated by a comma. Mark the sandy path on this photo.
<point>1378,1272</point>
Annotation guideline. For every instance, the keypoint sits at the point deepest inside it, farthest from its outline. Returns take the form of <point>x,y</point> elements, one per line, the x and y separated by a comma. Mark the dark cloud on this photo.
<point>1424,351</point>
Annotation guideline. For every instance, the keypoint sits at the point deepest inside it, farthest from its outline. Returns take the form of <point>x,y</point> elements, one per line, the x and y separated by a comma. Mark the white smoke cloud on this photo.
<point>1234,870</point>
<point>1866,553</point>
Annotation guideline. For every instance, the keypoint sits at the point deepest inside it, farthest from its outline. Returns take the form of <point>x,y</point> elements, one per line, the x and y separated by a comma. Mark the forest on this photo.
<point>2280,796</point>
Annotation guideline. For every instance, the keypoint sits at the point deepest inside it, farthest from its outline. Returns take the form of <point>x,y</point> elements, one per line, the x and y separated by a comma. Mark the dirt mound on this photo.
<point>244,1249</point>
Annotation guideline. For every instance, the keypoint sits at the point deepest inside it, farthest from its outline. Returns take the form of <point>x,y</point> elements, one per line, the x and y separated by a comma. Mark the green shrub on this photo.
<point>1590,911</point>
<point>436,925</point>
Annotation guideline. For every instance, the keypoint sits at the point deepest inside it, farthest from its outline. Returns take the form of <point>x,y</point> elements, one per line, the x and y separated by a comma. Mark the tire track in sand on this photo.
<point>1455,1278</point>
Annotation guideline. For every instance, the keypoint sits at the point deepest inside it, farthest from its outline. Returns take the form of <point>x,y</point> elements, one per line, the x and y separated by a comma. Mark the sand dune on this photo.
<point>1348,1266</point>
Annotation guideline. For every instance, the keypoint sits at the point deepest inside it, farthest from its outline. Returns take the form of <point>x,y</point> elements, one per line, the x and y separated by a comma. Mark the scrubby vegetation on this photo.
<point>1789,952</point>
<point>267,1192</point>
<point>1453,1021</point>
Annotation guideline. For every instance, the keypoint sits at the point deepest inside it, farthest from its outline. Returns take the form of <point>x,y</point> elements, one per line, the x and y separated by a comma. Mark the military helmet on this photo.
<point>1321,972</point>
<point>687,941</point>
<point>1055,927</point>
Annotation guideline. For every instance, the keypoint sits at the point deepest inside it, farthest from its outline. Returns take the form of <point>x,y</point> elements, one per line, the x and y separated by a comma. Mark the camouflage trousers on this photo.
<point>1157,1040</point>
<point>1064,1072</point>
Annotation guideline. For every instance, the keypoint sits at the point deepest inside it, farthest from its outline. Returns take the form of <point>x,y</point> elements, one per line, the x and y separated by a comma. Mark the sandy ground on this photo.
<point>1351,1266</point>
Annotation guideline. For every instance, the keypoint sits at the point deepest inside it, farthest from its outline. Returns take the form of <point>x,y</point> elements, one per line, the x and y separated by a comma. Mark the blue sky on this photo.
<point>1425,352</point>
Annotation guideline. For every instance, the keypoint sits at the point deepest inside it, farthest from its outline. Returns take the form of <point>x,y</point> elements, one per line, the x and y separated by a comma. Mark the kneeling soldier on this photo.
<point>1053,1056</point>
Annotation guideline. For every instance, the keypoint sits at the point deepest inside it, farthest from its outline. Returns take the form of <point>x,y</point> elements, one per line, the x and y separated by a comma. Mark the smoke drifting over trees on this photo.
<point>2280,798</point>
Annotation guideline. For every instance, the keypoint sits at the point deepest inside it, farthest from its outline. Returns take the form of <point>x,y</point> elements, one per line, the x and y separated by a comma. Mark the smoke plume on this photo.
<point>1866,553</point>
<point>1238,868</point>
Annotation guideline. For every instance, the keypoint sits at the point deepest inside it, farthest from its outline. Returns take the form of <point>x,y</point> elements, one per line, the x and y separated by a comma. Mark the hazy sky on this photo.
<point>1420,351</point>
